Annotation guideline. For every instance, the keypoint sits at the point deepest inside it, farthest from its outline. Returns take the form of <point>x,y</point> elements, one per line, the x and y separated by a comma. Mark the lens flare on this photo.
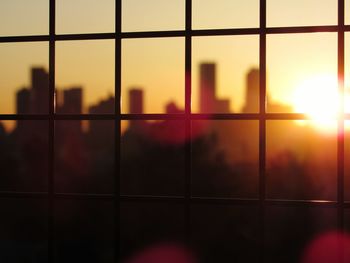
<point>318,98</point>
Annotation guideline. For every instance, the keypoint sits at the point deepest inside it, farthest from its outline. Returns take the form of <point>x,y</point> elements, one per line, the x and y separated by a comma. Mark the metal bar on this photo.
<point>262,128</point>
<point>161,116</point>
<point>51,186</point>
<point>340,153</point>
<point>153,34</point>
<point>11,39</point>
<point>117,132</point>
<point>177,33</point>
<point>188,99</point>
<point>179,199</point>
<point>85,36</point>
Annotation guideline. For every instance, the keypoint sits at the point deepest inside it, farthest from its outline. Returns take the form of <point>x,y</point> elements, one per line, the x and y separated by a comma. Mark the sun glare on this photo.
<point>318,98</point>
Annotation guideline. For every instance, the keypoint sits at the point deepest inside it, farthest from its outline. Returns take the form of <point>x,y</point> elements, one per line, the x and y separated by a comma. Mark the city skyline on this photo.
<point>207,93</point>
<point>151,62</point>
<point>230,143</point>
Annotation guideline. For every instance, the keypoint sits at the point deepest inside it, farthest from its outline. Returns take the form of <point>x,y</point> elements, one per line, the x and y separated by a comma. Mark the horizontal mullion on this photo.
<point>85,36</point>
<point>9,39</point>
<point>302,29</point>
<point>151,116</point>
<point>153,34</point>
<point>300,203</point>
<point>223,32</point>
<point>178,33</point>
<point>58,117</point>
<point>83,196</point>
<point>85,117</point>
<point>13,194</point>
<point>164,116</point>
<point>182,199</point>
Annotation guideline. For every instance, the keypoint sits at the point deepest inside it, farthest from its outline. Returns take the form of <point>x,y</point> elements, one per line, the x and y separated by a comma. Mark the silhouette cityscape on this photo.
<point>225,164</point>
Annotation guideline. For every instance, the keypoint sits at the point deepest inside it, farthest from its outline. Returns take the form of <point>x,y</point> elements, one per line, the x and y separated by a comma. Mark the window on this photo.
<point>131,123</point>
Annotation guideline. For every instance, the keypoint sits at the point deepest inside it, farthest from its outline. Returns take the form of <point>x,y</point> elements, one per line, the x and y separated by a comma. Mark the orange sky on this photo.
<point>157,65</point>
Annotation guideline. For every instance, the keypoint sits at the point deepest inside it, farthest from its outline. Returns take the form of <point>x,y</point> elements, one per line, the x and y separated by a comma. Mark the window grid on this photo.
<point>188,116</point>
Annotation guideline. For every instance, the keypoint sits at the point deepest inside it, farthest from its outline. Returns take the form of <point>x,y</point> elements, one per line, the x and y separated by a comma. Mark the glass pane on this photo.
<point>346,161</point>
<point>85,76</point>
<point>158,149</point>
<point>156,68</point>
<point>84,231</point>
<point>24,78</point>
<point>85,16</point>
<point>153,15</point>
<point>347,237</point>
<point>84,156</point>
<point>225,74</point>
<point>23,228</point>
<point>347,73</point>
<point>24,156</point>
<point>301,13</point>
<point>347,13</point>
<point>225,158</point>
<point>145,225</point>
<point>301,160</point>
<point>225,233</point>
<point>292,230</point>
<point>23,17</point>
<point>299,66</point>
<point>208,14</point>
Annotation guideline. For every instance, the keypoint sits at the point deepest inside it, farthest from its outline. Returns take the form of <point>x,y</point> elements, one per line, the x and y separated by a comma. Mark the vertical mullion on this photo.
<point>262,125</point>
<point>188,98</point>
<point>117,132</point>
<point>340,153</point>
<point>51,187</point>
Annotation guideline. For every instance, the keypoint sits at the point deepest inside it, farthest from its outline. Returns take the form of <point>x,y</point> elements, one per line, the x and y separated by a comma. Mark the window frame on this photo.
<point>262,117</point>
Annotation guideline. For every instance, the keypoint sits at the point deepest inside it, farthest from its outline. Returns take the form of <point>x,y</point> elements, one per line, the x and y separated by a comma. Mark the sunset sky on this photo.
<point>157,65</point>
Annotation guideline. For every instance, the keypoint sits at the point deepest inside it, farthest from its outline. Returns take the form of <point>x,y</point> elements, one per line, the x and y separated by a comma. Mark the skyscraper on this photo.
<point>40,91</point>
<point>252,92</point>
<point>23,105</point>
<point>207,85</point>
<point>101,132</point>
<point>72,101</point>
<point>136,106</point>
<point>136,101</point>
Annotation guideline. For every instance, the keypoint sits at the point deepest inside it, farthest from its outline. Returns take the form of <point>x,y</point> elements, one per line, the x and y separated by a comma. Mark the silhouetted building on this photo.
<point>252,92</point>
<point>207,85</point>
<point>172,108</point>
<point>23,106</point>
<point>222,106</point>
<point>106,106</point>
<point>40,91</point>
<point>135,106</point>
<point>136,101</point>
<point>101,132</point>
<point>72,101</point>
<point>23,101</point>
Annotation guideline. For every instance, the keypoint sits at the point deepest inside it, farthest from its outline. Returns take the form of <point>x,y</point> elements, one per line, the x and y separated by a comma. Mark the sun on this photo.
<point>318,97</point>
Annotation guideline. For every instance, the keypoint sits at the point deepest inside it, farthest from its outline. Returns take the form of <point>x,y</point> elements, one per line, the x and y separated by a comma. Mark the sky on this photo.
<point>157,65</point>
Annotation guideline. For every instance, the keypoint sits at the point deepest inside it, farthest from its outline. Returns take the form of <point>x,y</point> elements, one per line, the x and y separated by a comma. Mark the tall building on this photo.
<point>136,101</point>
<point>135,106</point>
<point>222,105</point>
<point>40,91</point>
<point>106,106</point>
<point>207,85</point>
<point>72,101</point>
<point>101,132</point>
<point>252,92</point>
<point>23,105</point>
